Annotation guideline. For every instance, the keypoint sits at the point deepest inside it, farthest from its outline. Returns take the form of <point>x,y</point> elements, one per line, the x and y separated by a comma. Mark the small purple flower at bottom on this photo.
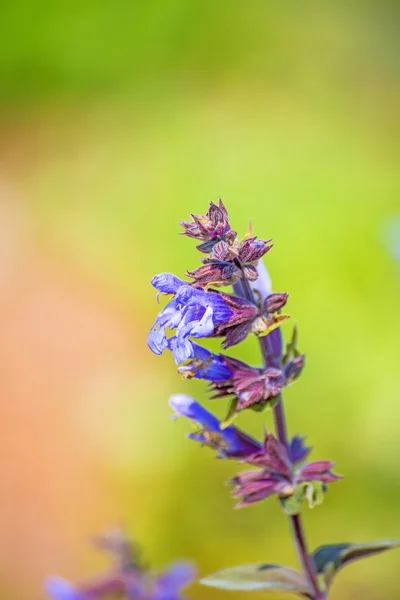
<point>58,588</point>
<point>229,442</point>
<point>168,585</point>
<point>128,579</point>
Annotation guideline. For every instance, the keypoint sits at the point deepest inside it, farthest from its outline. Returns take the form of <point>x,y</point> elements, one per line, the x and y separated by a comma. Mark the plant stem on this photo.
<point>271,360</point>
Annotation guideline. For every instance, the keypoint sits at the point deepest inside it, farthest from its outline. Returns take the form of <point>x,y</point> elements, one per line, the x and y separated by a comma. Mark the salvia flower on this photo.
<point>205,365</point>
<point>229,442</point>
<point>197,314</point>
<point>169,584</point>
<point>58,588</point>
<point>252,387</point>
<point>277,474</point>
<point>128,578</point>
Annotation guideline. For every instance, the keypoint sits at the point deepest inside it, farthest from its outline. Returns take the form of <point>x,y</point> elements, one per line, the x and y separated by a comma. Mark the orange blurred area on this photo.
<point>58,339</point>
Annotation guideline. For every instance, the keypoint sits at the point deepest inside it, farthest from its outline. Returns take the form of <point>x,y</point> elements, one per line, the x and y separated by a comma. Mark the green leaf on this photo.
<point>259,578</point>
<point>331,558</point>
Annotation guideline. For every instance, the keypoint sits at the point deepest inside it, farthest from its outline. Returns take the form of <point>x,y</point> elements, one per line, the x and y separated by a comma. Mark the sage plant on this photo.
<point>276,465</point>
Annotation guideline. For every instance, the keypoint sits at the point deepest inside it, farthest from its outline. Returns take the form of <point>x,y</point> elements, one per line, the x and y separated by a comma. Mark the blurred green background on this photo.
<point>118,120</point>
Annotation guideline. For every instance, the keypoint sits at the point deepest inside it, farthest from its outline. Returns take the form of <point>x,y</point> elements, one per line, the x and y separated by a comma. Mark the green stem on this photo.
<point>270,360</point>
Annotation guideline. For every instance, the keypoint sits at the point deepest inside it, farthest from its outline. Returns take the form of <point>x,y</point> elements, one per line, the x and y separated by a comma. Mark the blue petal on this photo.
<point>192,312</point>
<point>191,316</point>
<point>185,406</point>
<point>157,339</point>
<point>238,444</point>
<point>170,317</point>
<point>298,451</point>
<point>189,296</point>
<point>221,313</point>
<point>206,365</point>
<point>205,326</point>
<point>58,588</point>
<point>182,349</point>
<point>170,583</point>
<point>167,283</point>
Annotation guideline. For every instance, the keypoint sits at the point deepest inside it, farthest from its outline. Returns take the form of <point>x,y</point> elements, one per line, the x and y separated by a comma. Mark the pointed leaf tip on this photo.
<point>331,558</point>
<point>259,578</point>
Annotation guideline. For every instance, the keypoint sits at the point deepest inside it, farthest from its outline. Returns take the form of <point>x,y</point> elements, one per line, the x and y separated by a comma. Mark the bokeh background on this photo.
<point>118,119</point>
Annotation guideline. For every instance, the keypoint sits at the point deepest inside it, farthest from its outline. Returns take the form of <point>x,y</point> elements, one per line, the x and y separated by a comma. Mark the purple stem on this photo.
<point>272,359</point>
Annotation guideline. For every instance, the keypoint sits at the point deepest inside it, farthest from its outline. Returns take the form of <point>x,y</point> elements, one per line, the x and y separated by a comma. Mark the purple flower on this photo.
<point>251,386</point>
<point>206,365</point>
<point>278,475</point>
<point>191,313</point>
<point>168,585</point>
<point>195,313</point>
<point>229,442</point>
<point>127,579</point>
<point>117,581</point>
<point>60,589</point>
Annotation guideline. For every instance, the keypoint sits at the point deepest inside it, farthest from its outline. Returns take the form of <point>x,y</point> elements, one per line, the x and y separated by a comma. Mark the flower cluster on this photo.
<point>198,314</point>
<point>128,578</point>
<point>280,470</point>
<point>229,259</point>
<point>201,310</point>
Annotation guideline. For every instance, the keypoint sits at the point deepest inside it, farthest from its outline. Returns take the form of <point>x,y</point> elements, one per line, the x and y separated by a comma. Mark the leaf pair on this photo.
<point>328,561</point>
